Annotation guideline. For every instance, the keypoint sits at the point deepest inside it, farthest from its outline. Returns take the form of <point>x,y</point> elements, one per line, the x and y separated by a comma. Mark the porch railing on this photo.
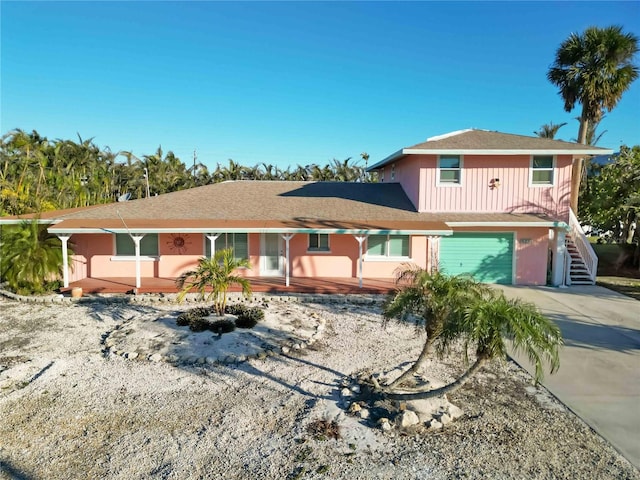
<point>583,246</point>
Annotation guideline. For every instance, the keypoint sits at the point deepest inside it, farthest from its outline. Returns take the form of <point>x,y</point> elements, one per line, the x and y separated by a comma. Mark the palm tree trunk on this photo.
<point>438,392</point>
<point>416,367</point>
<point>576,169</point>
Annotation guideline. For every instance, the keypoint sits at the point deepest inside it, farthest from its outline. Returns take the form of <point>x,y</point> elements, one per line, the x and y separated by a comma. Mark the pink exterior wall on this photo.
<point>407,173</point>
<point>531,250</point>
<point>474,195</point>
<point>95,252</point>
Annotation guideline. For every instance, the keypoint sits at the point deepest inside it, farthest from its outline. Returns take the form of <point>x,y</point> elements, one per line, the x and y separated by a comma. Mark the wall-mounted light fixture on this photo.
<point>494,183</point>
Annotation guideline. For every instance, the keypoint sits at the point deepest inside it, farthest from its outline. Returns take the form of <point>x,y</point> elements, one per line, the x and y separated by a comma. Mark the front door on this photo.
<point>271,255</point>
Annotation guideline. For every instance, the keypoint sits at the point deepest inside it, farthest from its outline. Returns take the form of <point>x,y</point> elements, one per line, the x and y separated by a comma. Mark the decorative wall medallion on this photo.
<point>179,243</point>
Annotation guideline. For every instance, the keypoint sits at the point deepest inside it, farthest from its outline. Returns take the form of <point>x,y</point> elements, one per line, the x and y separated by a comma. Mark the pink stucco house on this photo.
<point>490,204</point>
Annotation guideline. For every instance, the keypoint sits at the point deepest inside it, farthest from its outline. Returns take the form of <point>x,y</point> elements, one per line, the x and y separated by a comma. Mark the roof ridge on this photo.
<point>450,134</point>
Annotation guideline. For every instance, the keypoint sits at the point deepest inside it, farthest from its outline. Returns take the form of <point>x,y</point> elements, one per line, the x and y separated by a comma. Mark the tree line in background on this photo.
<point>37,174</point>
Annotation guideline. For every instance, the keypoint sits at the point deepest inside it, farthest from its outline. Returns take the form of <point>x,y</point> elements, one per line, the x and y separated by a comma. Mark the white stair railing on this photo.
<point>583,246</point>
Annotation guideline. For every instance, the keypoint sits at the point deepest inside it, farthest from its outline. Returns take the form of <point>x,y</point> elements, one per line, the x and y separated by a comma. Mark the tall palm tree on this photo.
<point>487,324</point>
<point>593,69</point>
<point>215,274</point>
<point>31,257</point>
<point>549,130</point>
<point>434,299</point>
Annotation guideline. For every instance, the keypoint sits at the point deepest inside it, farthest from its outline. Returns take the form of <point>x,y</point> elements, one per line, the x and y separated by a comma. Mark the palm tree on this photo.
<point>435,299</point>
<point>31,257</point>
<point>487,323</point>
<point>217,275</point>
<point>593,69</point>
<point>549,130</point>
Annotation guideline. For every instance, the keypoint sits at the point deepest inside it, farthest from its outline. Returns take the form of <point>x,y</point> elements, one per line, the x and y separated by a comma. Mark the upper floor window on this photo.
<point>388,246</point>
<point>450,170</point>
<point>126,248</point>
<point>541,170</point>
<point>318,242</point>
<point>239,242</point>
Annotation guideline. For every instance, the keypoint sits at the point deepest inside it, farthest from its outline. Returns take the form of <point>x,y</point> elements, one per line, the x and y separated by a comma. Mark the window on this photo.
<point>237,241</point>
<point>388,246</point>
<point>126,248</point>
<point>542,170</point>
<point>318,242</point>
<point>393,172</point>
<point>449,170</point>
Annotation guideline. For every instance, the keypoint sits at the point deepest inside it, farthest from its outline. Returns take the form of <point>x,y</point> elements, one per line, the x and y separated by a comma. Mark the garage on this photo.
<point>486,256</point>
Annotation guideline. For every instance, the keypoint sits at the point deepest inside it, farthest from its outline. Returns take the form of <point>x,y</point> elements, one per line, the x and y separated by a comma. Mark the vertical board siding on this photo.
<point>514,195</point>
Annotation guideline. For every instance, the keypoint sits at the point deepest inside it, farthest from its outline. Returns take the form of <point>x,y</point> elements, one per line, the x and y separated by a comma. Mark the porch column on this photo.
<point>286,265</point>
<point>434,253</point>
<point>360,239</point>
<point>558,263</point>
<point>212,243</point>
<point>65,259</point>
<point>136,241</point>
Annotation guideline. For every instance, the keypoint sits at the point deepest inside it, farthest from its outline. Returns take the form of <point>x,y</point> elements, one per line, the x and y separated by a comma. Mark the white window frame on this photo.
<point>319,249</point>
<point>219,246</point>
<point>552,169</point>
<point>127,258</point>
<point>460,169</point>
<point>387,257</point>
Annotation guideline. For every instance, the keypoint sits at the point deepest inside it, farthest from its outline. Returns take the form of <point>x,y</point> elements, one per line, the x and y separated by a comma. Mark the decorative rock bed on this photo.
<point>284,330</point>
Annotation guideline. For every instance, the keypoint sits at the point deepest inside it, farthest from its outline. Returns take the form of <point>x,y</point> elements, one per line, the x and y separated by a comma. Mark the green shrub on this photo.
<point>199,324</point>
<point>185,318</point>
<point>245,322</point>
<point>222,326</point>
<point>237,309</point>
<point>248,317</point>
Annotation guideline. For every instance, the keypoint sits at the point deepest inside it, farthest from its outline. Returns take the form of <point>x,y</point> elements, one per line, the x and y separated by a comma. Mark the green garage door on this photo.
<point>486,256</point>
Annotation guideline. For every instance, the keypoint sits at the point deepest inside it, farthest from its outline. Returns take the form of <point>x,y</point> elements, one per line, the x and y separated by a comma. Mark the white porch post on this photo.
<point>65,259</point>
<point>212,243</point>
<point>559,250</point>
<point>360,239</point>
<point>286,265</point>
<point>434,253</point>
<point>136,240</point>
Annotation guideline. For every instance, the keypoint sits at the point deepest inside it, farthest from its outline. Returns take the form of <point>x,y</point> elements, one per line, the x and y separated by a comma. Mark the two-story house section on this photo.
<point>507,199</point>
<point>488,204</point>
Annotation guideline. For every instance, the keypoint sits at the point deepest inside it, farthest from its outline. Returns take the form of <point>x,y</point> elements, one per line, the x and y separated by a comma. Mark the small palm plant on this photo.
<point>489,323</point>
<point>216,274</point>
<point>30,257</point>
<point>435,299</point>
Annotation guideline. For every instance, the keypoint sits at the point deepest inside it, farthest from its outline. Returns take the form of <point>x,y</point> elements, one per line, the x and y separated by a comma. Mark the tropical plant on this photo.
<point>456,307</point>
<point>434,299</point>
<point>490,325</point>
<point>215,275</point>
<point>31,257</point>
<point>611,200</point>
<point>593,69</point>
<point>549,130</point>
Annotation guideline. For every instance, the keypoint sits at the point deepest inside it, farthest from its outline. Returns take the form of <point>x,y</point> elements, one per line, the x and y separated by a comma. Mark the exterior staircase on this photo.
<point>582,261</point>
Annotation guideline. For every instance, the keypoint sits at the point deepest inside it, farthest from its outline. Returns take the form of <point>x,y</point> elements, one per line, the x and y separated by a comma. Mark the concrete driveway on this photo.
<point>599,376</point>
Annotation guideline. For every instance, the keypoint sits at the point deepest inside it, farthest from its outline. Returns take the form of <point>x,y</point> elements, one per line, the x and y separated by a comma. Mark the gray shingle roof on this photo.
<point>491,143</point>
<point>271,205</point>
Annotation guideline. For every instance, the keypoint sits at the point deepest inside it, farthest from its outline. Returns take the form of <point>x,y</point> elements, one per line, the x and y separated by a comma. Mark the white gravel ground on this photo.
<point>71,409</point>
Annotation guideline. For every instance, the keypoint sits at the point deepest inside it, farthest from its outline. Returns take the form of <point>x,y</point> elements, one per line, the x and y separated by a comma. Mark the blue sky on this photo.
<point>294,82</point>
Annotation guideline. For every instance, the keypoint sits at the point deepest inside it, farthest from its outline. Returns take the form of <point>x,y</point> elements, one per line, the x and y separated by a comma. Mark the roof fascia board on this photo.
<point>19,221</point>
<point>541,223</point>
<point>358,231</point>
<point>390,158</point>
<point>471,151</point>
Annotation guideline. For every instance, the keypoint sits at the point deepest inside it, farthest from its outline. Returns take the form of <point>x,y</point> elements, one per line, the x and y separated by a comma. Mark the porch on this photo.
<point>321,285</point>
